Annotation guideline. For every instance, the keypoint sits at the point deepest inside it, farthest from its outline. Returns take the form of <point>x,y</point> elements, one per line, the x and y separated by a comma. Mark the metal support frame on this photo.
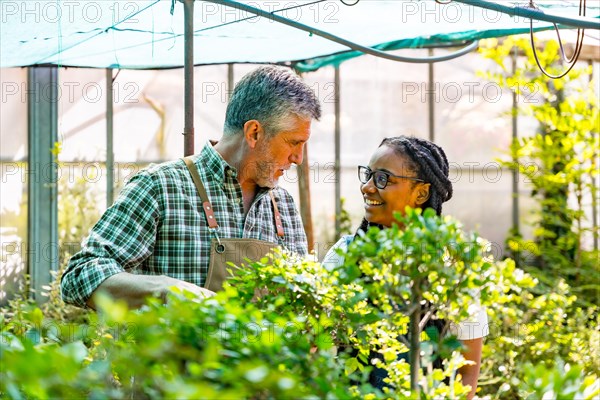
<point>469,46</point>
<point>230,84</point>
<point>594,187</point>
<point>42,219</point>
<point>515,174</point>
<point>110,156</point>
<point>431,99</point>
<point>526,12</point>
<point>337,145</point>
<point>305,203</point>
<point>188,72</point>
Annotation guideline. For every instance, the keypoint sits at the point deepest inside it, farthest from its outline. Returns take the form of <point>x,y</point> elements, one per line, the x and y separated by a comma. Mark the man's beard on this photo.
<point>265,174</point>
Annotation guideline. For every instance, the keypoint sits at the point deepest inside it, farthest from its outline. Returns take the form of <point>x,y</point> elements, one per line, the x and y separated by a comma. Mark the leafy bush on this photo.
<point>430,269</point>
<point>281,329</point>
<point>271,332</point>
<point>537,329</point>
<point>559,161</point>
<point>560,382</point>
<point>552,319</point>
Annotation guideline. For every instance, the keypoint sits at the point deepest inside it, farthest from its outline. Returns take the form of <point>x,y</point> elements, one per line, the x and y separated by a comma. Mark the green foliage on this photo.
<point>559,382</point>
<point>282,327</point>
<point>429,269</point>
<point>530,328</point>
<point>559,162</point>
<point>278,330</point>
<point>77,212</point>
<point>219,347</point>
<point>556,320</point>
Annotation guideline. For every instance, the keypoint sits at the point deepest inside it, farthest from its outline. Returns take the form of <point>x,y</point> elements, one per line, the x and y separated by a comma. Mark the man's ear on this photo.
<point>422,193</point>
<point>253,130</point>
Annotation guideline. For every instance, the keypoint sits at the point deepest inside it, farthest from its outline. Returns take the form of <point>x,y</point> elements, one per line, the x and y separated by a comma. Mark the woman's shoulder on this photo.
<point>343,243</point>
<point>333,258</point>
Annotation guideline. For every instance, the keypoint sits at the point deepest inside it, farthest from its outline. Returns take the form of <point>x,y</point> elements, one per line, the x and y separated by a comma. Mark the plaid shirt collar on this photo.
<point>214,163</point>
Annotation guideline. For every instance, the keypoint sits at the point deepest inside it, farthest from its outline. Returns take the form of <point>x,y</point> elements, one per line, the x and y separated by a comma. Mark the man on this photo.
<point>156,235</point>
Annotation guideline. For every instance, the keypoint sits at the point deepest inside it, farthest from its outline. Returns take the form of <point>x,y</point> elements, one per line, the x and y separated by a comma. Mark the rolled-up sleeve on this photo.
<point>121,240</point>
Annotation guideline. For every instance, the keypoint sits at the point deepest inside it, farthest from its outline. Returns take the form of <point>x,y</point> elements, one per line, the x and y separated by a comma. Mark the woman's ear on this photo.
<point>252,131</point>
<point>422,193</point>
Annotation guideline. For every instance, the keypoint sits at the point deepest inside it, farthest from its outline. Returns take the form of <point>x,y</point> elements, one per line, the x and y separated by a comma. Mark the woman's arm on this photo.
<point>470,373</point>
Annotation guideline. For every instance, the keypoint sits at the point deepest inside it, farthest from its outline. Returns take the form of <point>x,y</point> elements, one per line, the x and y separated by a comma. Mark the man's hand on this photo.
<point>187,287</point>
<point>135,288</point>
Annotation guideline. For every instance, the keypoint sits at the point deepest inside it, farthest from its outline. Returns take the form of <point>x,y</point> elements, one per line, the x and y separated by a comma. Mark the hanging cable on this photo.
<point>532,7</point>
<point>578,44</point>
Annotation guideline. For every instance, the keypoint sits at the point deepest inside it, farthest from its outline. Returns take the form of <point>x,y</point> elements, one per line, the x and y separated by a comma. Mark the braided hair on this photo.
<point>429,161</point>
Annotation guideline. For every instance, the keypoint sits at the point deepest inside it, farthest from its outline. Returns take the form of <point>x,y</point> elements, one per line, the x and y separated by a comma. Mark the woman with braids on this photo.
<point>407,171</point>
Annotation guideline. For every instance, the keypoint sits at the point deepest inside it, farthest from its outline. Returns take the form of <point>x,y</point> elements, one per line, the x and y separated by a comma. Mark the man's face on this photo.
<point>275,154</point>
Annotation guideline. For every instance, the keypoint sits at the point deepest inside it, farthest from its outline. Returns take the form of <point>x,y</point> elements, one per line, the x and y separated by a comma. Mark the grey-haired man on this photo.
<point>158,234</point>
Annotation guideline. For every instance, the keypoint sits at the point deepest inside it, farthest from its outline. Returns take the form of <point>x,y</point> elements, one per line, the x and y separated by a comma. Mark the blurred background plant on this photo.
<point>559,163</point>
<point>551,321</point>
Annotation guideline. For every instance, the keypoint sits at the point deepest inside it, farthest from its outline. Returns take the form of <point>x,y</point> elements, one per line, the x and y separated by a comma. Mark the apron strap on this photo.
<point>208,209</point>
<point>207,206</point>
<point>278,224</point>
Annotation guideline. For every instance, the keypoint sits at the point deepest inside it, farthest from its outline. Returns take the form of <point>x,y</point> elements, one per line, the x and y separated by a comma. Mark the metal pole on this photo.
<point>229,81</point>
<point>431,100</point>
<point>523,10</point>
<point>188,129</point>
<point>337,165</point>
<point>515,173</point>
<point>42,219</point>
<point>236,4</point>
<point>593,186</point>
<point>110,179</point>
<point>305,205</point>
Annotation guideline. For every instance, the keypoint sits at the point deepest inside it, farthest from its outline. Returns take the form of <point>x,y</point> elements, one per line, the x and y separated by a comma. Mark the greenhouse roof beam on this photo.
<point>536,14</point>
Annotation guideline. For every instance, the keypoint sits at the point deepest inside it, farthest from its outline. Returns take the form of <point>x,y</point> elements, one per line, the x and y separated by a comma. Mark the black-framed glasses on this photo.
<point>380,178</point>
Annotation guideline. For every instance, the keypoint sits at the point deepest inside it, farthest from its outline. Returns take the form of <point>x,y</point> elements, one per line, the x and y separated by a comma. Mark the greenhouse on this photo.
<point>489,107</point>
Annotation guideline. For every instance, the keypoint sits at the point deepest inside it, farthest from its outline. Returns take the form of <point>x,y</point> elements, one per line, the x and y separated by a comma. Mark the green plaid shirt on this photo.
<point>157,226</point>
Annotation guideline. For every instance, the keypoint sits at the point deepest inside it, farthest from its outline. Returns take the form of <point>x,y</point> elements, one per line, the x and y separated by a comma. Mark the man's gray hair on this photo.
<point>270,95</point>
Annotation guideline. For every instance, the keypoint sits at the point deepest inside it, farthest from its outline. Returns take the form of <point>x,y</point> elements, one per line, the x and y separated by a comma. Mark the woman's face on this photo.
<point>380,204</point>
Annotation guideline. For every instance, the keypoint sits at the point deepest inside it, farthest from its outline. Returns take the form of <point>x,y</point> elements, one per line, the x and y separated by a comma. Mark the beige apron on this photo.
<point>226,250</point>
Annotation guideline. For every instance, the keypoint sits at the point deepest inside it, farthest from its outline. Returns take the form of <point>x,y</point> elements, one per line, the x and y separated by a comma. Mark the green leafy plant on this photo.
<point>563,381</point>
<point>554,316</point>
<point>429,269</point>
<point>279,328</point>
<point>559,162</point>
<point>531,328</point>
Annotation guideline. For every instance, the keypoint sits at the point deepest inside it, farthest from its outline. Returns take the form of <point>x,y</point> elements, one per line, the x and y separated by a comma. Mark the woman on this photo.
<point>407,171</point>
